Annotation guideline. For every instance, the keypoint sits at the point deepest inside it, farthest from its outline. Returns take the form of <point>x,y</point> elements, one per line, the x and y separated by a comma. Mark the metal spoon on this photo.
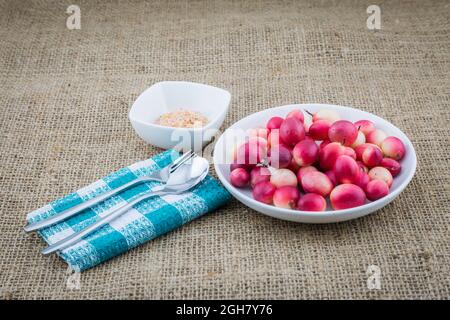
<point>182,180</point>
<point>162,175</point>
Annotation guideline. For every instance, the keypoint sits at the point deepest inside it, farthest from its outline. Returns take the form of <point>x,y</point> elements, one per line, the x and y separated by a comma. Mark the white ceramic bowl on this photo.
<point>170,96</point>
<point>259,119</point>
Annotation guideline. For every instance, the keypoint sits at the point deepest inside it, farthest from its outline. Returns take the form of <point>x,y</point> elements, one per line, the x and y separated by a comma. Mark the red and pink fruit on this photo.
<point>286,197</point>
<point>283,177</point>
<point>312,202</point>
<point>376,189</point>
<point>280,156</point>
<point>362,166</point>
<point>258,141</point>
<point>236,165</point>
<point>258,132</point>
<point>303,170</point>
<point>361,148</point>
<point>294,167</point>
<point>365,126</point>
<point>324,143</point>
<point>360,139</point>
<point>329,154</point>
<point>292,131</point>
<point>345,196</point>
<point>274,123</point>
<point>330,174</point>
<point>273,139</point>
<point>393,148</point>
<point>357,161</point>
<point>350,152</point>
<point>306,152</point>
<point>259,174</point>
<point>264,192</point>
<point>316,182</point>
<point>298,114</point>
<point>239,177</point>
<point>392,165</point>
<point>371,156</point>
<point>307,123</point>
<point>362,180</point>
<point>346,169</point>
<point>376,136</point>
<point>319,130</point>
<point>252,152</point>
<point>326,114</point>
<point>344,132</point>
<point>381,173</point>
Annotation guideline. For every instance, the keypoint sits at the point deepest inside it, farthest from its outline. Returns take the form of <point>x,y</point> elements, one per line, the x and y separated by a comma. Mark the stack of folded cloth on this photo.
<point>145,221</point>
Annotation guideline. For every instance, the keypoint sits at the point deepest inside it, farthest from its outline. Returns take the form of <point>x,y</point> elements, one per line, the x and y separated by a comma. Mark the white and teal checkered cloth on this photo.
<point>145,221</point>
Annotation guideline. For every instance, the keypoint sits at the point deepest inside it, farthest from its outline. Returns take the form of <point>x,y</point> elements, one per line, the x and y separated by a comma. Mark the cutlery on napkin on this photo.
<point>143,222</point>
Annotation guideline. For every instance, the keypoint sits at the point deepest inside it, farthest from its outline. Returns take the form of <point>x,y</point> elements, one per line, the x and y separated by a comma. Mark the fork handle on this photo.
<point>63,215</point>
<point>72,239</point>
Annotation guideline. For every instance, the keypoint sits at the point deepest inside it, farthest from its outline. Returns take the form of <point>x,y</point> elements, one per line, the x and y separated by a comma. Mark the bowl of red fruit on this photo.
<point>314,163</point>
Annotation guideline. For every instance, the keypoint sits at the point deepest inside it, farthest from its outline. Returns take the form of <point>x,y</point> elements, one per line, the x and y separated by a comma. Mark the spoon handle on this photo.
<point>82,206</point>
<point>117,212</point>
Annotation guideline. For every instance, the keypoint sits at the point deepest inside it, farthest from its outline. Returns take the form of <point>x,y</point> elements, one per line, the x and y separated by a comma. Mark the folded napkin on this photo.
<point>145,221</point>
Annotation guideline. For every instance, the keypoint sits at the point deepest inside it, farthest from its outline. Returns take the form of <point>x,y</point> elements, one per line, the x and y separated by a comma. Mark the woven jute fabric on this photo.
<point>64,98</point>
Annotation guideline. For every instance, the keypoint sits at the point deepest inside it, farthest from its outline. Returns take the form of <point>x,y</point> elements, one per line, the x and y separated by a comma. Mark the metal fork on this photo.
<point>182,180</point>
<point>161,176</point>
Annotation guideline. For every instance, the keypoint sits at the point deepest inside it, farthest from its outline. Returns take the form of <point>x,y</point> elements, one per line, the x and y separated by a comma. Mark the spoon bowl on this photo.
<point>192,174</point>
<point>189,171</point>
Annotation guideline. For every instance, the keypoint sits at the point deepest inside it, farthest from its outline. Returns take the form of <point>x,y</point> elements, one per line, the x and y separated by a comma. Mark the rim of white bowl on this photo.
<point>196,129</point>
<point>368,206</point>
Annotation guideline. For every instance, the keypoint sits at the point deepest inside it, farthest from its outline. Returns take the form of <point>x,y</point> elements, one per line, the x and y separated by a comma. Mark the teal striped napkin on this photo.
<point>145,221</point>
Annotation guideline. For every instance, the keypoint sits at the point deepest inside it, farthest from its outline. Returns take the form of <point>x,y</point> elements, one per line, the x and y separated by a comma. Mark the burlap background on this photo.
<point>64,97</point>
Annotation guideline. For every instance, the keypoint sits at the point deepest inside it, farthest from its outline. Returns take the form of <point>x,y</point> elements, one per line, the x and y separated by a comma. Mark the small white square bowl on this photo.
<point>169,96</point>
